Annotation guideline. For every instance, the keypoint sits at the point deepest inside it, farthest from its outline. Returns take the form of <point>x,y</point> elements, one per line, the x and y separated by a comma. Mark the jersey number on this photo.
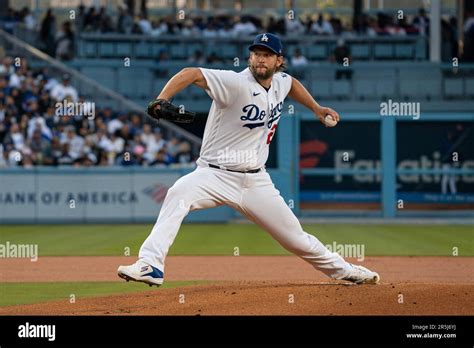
<point>271,133</point>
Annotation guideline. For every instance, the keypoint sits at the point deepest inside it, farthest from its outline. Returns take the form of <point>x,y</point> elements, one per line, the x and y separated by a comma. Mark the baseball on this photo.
<point>329,121</point>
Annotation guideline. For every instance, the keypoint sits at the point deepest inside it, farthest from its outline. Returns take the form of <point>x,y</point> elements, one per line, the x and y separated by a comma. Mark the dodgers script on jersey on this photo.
<point>243,118</point>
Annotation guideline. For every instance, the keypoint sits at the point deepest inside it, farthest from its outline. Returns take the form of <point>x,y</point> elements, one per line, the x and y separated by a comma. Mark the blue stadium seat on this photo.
<point>178,51</point>
<point>321,88</point>
<point>156,48</point>
<point>420,83</point>
<point>158,85</point>
<point>104,75</point>
<point>87,48</point>
<point>106,49</point>
<point>317,51</point>
<point>195,92</point>
<point>383,51</point>
<point>469,87</point>
<point>341,89</point>
<point>360,51</point>
<point>453,88</point>
<point>385,88</point>
<point>135,83</point>
<point>404,51</point>
<point>123,49</point>
<point>227,51</point>
<point>143,50</point>
<point>364,88</point>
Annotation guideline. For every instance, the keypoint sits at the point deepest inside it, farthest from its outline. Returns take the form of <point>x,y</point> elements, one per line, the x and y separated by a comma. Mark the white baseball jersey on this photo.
<point>243,118</point>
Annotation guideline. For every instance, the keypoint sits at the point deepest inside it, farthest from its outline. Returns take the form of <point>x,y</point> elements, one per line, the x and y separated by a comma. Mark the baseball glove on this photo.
<point>163,109</point>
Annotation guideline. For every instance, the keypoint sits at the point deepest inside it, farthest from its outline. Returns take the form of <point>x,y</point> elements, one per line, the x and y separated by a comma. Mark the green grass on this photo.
<point>221,239</point>
<point>25,293</point>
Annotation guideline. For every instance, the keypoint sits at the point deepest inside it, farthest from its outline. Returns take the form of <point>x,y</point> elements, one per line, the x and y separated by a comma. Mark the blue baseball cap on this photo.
<point>270,41</point>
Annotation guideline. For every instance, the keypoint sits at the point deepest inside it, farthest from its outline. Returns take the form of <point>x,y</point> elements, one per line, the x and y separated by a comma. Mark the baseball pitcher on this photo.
<point>243,119</point>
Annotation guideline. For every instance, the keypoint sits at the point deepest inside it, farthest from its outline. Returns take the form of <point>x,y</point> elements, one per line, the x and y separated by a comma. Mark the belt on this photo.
<point>235,171</point>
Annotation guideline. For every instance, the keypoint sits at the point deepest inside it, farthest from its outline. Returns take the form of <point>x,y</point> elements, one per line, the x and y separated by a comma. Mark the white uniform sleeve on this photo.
<point>286,81</point>
<point>223,85</point>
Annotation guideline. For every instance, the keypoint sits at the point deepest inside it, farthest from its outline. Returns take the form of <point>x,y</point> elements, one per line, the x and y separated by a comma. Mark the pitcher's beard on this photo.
<point>261,76</point>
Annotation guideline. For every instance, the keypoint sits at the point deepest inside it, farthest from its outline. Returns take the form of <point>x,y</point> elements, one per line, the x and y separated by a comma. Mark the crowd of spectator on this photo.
<point>33,132</point>
<point>96,20</point>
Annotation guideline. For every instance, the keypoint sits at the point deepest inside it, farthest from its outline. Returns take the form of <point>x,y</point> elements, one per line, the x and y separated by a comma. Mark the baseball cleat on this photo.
<point>141,272</point>
<point>362,275</point>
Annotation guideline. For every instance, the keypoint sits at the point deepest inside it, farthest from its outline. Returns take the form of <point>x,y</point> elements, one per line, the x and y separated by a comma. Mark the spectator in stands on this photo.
<point>184,153</point>
<point>422,23</point>
<point>342,56</point>
<point>226,31</point>
<point>468,55</point>
<point>408,28</point>
<point>163,56</point>
<point>65,41</point>
<point>298,59</point>
<point>28,19</point>
<point>64,90</point>
<point>447,41</point>
<point>48,26</point>
<point>213,58</point>
<point>294,26</point>
<point>15,137</point>
<point>125,21</point>
<point>244,27</point>
<point>32,134</point>
<point>276,26</point>
<point>321,27</point>
<point>10,20</point>
<point>210,31</point>
<point>91,20</point>
<point>105,22</point>
<point>6,68</point>
<point>197,58</point>
<point>145,25</point>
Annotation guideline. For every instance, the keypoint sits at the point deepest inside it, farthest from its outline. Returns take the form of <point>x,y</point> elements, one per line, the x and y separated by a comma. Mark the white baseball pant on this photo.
<point>252,194</point>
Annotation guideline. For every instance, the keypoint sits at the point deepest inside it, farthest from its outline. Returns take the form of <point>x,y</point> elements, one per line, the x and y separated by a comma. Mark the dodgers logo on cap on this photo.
<point>270,41</point>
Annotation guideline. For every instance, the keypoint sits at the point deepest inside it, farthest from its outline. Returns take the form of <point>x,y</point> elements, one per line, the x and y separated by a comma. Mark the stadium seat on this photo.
<point>87,48</point>
<point>421,49</point>
<point>404,51</point>
<point>385,88</point>
<point>420,83</point>
<point>143,50</point>
<point>227,51</point>
<point>453,87</point>
<point>383,51</point>
<point>123,49</point>
<point>364,89</point>
<point>158,84</point>
<point>178,51</point>
<point>317,51</point>
<point>321,88</point>
<point>156,48</point>
<point>360,51</point>
<point>104,75</point>
<point>341,89</point>
<point>195,92</point>
<point>135,83</point>
<point>106,49</point>
<point>469,87</point>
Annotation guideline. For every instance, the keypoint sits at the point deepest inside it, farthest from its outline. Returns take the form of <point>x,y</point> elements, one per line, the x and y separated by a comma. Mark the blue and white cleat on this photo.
<point>362,275</point>
<point>141,272</point>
